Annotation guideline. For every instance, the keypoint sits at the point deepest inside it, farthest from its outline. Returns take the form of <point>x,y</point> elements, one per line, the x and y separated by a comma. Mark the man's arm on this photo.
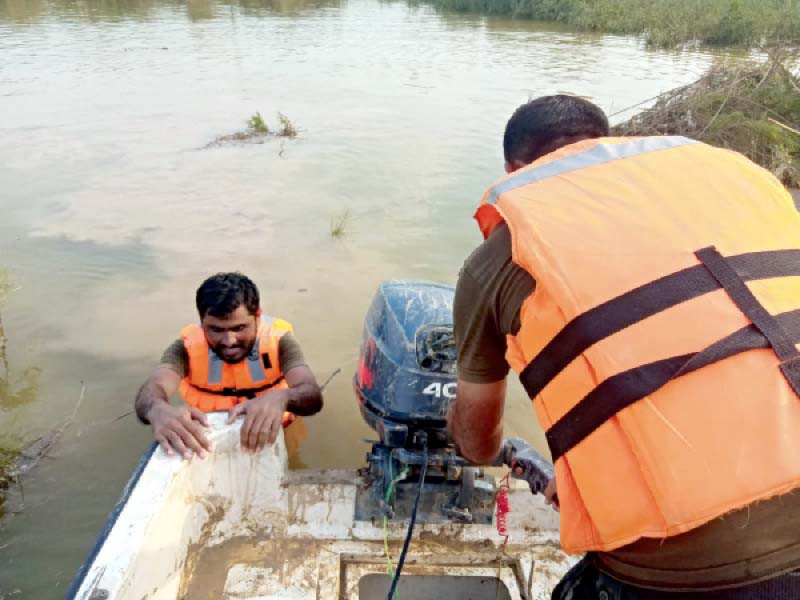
<point>475,420</point>
<point>176,429</point>
<point>304,395</point>
<point>158,388</point>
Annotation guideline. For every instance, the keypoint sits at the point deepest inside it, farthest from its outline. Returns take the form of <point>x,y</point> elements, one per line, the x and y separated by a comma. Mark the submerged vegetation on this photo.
<point>258,131</point>
<point>661,22</point>
<point>9,449</point>
<point>339,224</point>
<point>10,445</point>
<point>751,107</point>
<point>10,452</point>
<point>17,388</point>
<point>8,457</point>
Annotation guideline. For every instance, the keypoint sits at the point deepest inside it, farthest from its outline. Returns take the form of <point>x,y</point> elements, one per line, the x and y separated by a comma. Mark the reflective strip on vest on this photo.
<point>638,304</point>
<point>215,364</point>
<point>624,389</point>
<point>254,363</point>
<point>597,155</point>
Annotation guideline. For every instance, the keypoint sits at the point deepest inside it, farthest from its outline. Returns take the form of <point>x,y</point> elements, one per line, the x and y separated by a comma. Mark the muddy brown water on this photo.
<point>113,209</point>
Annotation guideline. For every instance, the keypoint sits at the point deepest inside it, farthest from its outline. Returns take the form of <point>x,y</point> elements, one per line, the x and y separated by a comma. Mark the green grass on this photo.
<point>256,124</point>
<point>287,127</point>
<point>257,131</point>
<point>661,22</point>
<point>339,224</point>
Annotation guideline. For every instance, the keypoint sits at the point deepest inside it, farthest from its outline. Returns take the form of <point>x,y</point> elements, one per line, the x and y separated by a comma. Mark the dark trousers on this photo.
<point>585,582</point>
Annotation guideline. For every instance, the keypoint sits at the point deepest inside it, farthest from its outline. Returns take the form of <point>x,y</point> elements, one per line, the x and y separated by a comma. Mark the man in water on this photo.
<point>646,290</point>
<point>237,359</point>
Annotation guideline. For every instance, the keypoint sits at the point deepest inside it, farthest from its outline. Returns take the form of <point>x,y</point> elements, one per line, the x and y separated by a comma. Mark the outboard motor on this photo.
<point>405,382</point>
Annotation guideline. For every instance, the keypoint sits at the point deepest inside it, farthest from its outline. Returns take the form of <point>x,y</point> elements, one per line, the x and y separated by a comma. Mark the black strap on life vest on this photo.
<point>248,393</point>
<point>626,388</point>
<point>778,338</point>
<point>616,314</point>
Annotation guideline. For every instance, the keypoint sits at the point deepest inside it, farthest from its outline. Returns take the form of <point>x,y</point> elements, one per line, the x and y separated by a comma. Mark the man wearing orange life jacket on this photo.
<point>647,291</point>
<point>236,359</point>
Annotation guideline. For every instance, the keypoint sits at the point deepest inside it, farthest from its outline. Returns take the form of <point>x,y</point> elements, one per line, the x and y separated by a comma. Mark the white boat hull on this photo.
<point>240,526</point>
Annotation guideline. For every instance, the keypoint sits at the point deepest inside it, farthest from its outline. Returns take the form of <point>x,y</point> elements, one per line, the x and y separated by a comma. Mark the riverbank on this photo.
<point>748,106</point>
<point>661,22</point>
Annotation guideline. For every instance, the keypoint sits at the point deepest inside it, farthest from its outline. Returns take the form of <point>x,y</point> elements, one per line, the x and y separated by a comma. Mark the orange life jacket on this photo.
<point>659,345</point>
<point>212,384</point>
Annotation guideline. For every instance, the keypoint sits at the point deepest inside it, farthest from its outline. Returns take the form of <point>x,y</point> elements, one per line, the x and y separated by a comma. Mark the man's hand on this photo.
<point>179,429</point>
<point>263,421</point>
<point>551,495</point>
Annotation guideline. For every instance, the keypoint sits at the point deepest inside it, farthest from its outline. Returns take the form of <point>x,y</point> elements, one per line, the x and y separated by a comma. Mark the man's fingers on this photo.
<point>244,432</point>
<point>176,442</point>
<point>551,494</point>
<point>196,430</point>
<point>162,441</point>
<point>550,489</point>
<point>252,435</point>
<point>236,411</point>
<point>275,427</point>
<point>262,438</point>
<point>190,441</point>
<point>198,415</point>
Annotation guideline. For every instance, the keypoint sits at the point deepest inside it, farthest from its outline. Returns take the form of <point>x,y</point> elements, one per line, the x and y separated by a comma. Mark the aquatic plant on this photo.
<point>339,224</point>
<point>256,124</point>
<point>6,461</point>
<point>287,127</point>
<point>17,388</point>
<point>258,131</point>
<point>8,450</point>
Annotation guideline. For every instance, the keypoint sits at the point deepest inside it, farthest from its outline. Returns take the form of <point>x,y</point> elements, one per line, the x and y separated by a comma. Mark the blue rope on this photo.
<point>413,520</point>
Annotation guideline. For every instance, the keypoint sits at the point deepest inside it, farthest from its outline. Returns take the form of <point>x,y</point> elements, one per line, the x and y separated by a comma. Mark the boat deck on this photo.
<point>238,526</point>
<point>322,553</point>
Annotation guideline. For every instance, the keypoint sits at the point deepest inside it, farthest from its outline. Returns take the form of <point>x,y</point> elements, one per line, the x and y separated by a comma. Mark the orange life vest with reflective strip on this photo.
<point>659,344</point>
<point>212,384</point>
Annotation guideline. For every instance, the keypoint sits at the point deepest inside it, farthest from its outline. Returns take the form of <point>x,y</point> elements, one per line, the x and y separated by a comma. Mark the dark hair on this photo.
<point>223,293</point>
<point>548,123</point>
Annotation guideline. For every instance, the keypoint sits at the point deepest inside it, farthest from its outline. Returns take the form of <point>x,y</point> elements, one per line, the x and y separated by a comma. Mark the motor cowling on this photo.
<point>406,376</point>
